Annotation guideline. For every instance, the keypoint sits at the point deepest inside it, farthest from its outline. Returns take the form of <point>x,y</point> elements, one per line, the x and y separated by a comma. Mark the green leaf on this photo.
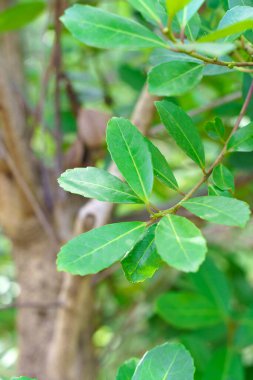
<point>161,167</point>
<point>199,349</point>
<point>99,248</point>
<point>150,10</point>
<point>215,191</point>
<point>220,210</point>
<point>142,261</point>
<point>235,3</point>
<point>130,153</point>
<point>192,28</point>
<point>215,129</point>
<point>223,178</point>
<point>168,361</point>
<point>244,332</point>
<point>225,364</point>
<point>211,283</point>
<point>175,6</point>
<point>188,310</point>
<point>19,15</point>
<point>185,15</point>
<point>210,49</point>
<point>98,28</point>
<point>180,243</point>
<point>163,55</point>
<point>97,183</point>
<point>174,78</point>
<point>126,370</point>
<point>242,140</point>
<point>181,128</point>
<point>236,21</point>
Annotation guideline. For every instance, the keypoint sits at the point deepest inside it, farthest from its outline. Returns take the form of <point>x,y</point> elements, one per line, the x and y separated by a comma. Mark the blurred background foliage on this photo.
<point>127,322</point>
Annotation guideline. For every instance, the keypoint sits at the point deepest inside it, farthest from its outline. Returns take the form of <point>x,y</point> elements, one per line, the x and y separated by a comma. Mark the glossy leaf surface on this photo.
<point>180,243</point>
<point>130,152</point>
<point>99,248</point>
<point>165,362</point>
<point>220,210</point>
<point>97,183</point>
<point>181,128</point>
<point>161,167</point>
<point>99,28</point>
<point>174,78</point>
<point>142,261</point>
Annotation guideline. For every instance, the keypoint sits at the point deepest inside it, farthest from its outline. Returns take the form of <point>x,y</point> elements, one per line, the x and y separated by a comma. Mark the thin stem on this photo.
<point>215,163</point>
<point>213,61</point>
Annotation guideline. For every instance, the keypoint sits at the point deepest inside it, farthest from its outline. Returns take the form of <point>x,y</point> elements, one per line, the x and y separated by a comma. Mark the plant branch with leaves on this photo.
<point>183,55</point>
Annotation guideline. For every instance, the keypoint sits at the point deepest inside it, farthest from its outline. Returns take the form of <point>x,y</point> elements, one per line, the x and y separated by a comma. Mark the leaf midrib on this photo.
<point>104,187</point>
<point>119,31</point>
<point>171,364</point>
<point>212,208</point>
<point>178,239</point>
<point>142,256</point>
<point>136,168</point>
<point>150,11</point>
<point>106,244</point>
<point>179,76</point>
<point>183,133</point>
<point>166,178</point>
<point>236,145</point>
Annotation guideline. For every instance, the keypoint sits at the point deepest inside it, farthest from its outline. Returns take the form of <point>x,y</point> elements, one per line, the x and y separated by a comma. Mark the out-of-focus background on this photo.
<point>56,96</point>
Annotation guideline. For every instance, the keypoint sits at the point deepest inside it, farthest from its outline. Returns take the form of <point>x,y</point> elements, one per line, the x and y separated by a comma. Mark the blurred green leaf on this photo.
<point>242,140</point>
<point>208,48</point>
<point>175,6</point>
<point>126,370</point>
<point>215,191</point>
<point>225,364</point>
<point>133,76</point>
<point>235,3</point>
<point>212,284</point>
<point>19,15</point>
<point>223,178</point>
<point>215,129</point>
<point>244,332</point>
<point>185,15</point>
<point>150,10</point>
<point>188,310</point>
<point>236,21</point>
